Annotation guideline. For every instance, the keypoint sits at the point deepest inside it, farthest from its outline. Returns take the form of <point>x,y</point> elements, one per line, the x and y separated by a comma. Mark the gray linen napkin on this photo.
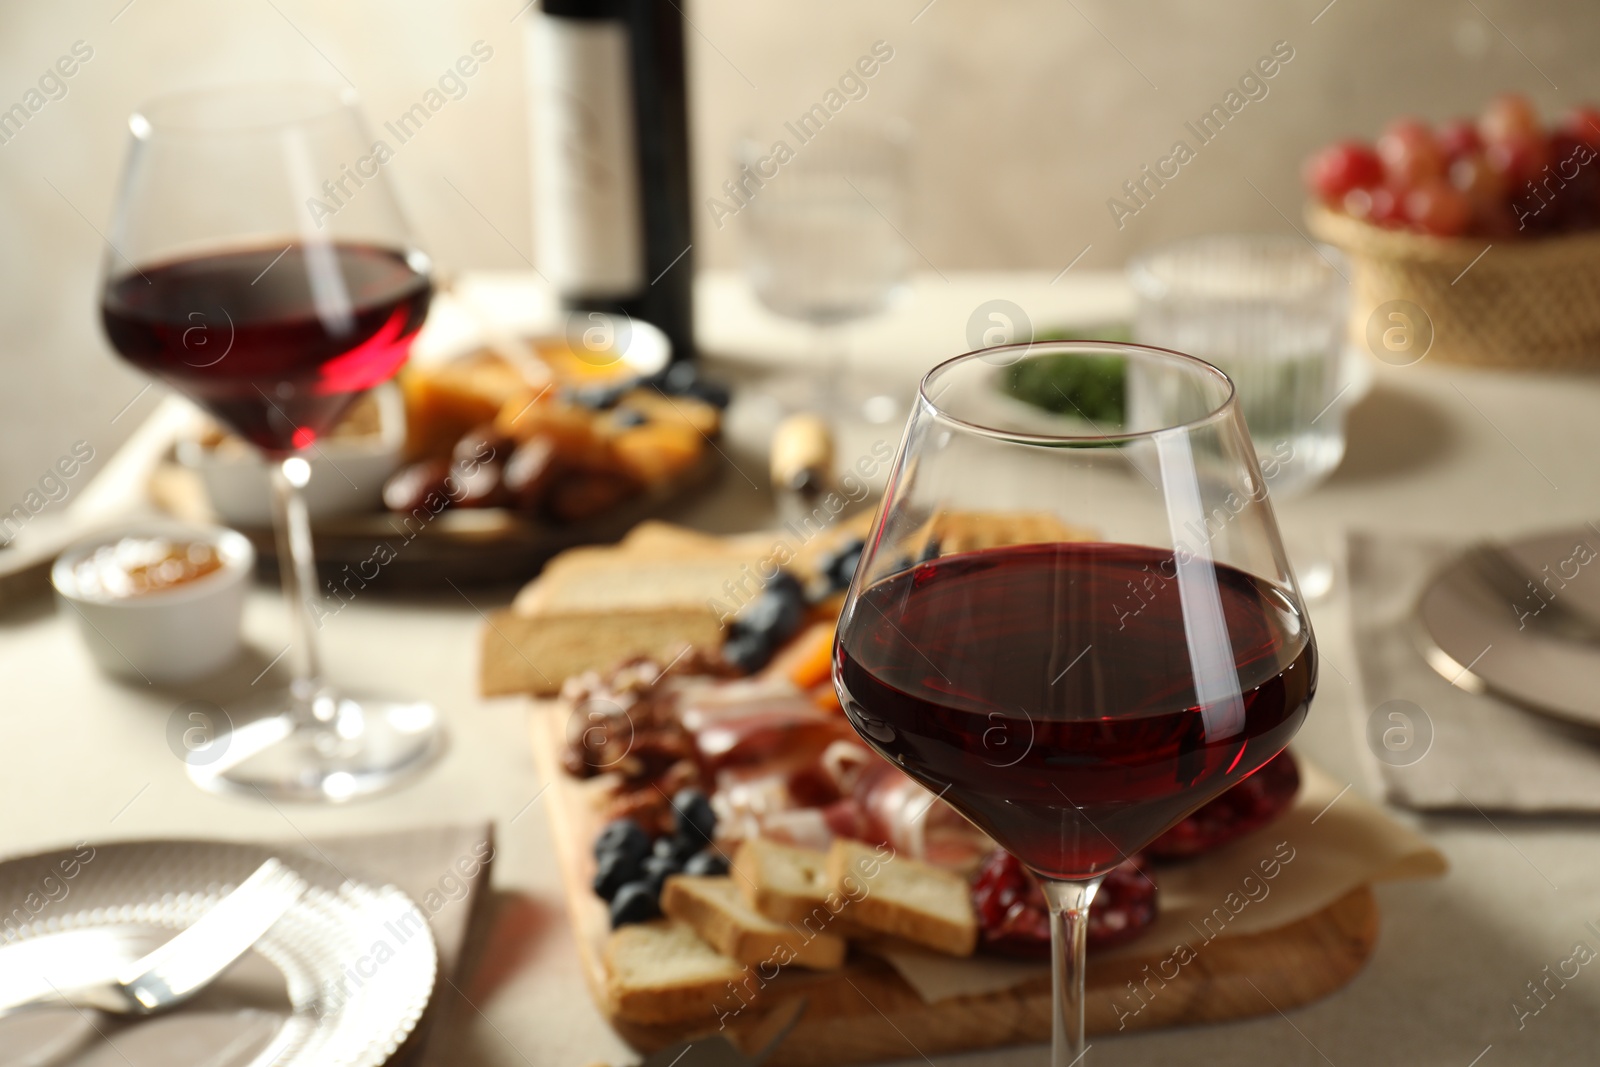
<point>1485,754</point>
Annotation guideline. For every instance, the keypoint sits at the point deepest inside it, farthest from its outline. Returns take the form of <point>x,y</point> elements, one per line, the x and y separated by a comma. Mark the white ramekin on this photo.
<point>165,637</point>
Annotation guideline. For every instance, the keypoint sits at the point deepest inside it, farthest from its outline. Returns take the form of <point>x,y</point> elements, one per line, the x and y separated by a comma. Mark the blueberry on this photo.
<point>623,836</point>
<point>626,417</point>
<point>839,566</point>
<point>685,379</point>
<point>676,848</point>
<point>696,821</point>
<point>596,397</point>
<point>747,651</point>
<point>777,613</point>
<point>614,870</point>
<point>710,862</point>
<point>657,869</point>
<point>635,902</point>
<point>930,551</point>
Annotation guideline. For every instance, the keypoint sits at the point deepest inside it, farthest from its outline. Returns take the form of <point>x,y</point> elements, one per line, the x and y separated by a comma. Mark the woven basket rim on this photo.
<point>1363,238</point>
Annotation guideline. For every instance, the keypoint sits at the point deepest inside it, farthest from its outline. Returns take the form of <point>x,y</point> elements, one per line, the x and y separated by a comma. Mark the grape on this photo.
<point>1520,159</point>
<point>1501,175</point>
<point>1584,124</point>
<point>1339,168</point>
<point>1410,155</point>
<point>1576,184</point>
<point>1459,138</point>
<point>1485,190</point>
<point>1377,205</point>
<point>1509,117</point>
<point>1438,208</point>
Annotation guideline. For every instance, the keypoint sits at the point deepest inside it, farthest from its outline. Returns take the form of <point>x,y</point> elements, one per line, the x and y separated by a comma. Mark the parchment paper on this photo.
<point>1329,842</point>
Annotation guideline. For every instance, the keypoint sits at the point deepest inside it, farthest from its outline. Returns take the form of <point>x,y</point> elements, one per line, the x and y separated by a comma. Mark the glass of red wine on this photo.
<point>259,263</point>
<point>1074,619</point>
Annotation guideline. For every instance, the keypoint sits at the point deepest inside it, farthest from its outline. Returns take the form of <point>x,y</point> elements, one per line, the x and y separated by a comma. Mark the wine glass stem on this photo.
<point>297,567</point>
<point>828,365</point>
<point>1069,944</point>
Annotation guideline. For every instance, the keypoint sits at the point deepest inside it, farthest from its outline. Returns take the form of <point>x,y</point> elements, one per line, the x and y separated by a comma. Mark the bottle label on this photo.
<point>589,236</point>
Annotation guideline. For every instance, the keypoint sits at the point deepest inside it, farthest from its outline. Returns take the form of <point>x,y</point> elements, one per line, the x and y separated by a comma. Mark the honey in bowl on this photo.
<point>139,566</point>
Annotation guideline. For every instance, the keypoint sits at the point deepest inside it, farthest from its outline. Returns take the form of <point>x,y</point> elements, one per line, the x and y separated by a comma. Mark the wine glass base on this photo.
<point>359,746</point>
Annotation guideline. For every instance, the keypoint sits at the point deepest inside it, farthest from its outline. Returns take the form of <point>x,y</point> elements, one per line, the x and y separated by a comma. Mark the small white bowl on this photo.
<point>168,636</point>
<point>347,473</point>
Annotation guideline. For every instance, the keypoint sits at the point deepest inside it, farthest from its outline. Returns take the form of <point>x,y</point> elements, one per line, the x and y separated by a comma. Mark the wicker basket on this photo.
<point>1524,303</point>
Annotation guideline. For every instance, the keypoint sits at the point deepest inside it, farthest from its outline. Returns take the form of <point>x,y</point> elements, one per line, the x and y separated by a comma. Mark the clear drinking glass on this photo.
<point>258,263</point>
<point>823,225</point>
<point>1075,694</point>
<point>1270,311</point>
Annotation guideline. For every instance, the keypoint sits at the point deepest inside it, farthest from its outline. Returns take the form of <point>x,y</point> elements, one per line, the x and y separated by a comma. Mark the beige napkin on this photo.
<point>1329,842</point>
<point>1486,754</point>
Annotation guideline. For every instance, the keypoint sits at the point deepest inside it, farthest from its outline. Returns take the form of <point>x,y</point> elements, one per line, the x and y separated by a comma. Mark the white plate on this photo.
<point>1474,637</point>
<point>340,981</point>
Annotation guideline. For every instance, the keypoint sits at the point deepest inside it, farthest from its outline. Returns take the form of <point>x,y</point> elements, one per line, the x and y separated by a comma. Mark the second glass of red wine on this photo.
<point>1075,621</point>
<point>259,263</point>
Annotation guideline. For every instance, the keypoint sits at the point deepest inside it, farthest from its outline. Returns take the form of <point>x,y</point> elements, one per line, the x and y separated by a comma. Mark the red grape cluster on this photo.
<point>1503,175</point>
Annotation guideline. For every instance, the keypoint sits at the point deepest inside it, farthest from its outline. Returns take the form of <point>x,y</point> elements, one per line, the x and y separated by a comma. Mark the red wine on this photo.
<point>275,342</point>
<point>1049,693</point>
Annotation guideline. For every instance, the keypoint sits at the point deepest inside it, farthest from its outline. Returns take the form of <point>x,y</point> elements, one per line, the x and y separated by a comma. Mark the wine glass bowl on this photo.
<point>821,238</point>
<point>259,263</point>
<point>252,268</point>
<point>1076,627</point>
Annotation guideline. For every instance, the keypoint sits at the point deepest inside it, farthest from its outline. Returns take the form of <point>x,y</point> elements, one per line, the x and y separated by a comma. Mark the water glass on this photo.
<point>1270,312</point>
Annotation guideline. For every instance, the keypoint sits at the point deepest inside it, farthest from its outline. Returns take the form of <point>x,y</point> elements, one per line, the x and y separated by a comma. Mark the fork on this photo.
<point>186,964</point>
<point>1507,578</point>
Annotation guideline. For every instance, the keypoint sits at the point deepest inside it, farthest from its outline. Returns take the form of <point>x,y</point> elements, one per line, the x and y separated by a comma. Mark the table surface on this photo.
<point>1433,450</point>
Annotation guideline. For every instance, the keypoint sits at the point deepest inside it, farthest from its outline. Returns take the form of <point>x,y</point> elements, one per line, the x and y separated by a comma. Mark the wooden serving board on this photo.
<point>867,1013</point>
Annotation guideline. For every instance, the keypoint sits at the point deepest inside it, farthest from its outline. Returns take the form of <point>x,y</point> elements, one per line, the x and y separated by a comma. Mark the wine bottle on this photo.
<point>611,162</point>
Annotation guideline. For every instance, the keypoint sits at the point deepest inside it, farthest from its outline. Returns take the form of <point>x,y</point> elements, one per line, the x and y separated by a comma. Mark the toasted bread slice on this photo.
<point>903,897</point>
<point>535,654</point>
<point>661,972</point>
<point>624,581</point>
<point>785,883</point>
<point>718,912</point>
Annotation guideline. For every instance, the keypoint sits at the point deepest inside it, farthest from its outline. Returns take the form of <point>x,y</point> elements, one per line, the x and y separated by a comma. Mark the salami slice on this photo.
<point>1249,805</point>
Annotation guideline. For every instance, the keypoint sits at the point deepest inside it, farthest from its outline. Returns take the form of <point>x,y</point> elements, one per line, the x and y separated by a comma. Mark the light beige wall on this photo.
<point>1029,114</point>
